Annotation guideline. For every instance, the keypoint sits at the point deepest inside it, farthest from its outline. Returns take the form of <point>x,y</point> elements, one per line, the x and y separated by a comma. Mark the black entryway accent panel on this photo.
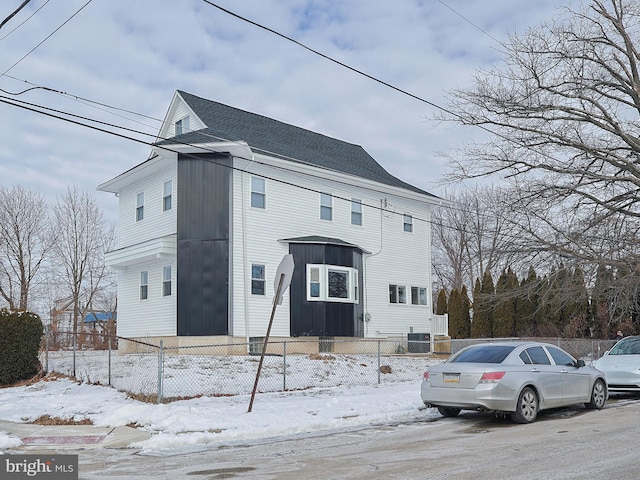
<point>318,318</point>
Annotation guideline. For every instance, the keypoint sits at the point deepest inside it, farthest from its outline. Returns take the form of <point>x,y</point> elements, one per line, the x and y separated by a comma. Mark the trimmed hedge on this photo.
<point>20,335</point>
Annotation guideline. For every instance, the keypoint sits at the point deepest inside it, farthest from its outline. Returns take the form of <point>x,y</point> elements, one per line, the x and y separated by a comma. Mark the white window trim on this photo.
<point>398,286</point>
<point>425,296</point>
<point>140,206</point>
<point>263,279</point>
<point>263,193</point>
<point>165,195</point>
<point>328,206</point>
<point>408,217</point>
<point>164,280</point>
<point>353,292</point>
<point>146,273</point>
<point>358,202</point>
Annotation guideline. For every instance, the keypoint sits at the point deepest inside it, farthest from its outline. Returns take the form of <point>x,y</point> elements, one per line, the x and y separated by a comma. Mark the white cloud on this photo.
<point>134,55</point>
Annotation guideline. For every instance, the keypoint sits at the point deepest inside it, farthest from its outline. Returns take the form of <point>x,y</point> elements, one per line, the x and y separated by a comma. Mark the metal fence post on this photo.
<point>284,367</point>
<point>379,380</point>
<point>160,354</point>
<point>109,347</point>
<point>46,348</point>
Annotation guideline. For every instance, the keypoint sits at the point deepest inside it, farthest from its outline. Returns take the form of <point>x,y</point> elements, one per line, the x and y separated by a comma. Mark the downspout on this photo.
<point>244,261</point>
<point>364,276</point>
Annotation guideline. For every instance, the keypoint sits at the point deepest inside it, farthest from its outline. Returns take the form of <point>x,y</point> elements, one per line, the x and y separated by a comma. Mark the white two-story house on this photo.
<point>205,221</point>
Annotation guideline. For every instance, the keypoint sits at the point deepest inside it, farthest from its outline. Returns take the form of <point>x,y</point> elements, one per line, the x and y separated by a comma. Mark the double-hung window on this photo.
<point>258,282</point>
<point>258,192</point>
<point>356,211</point>
<point>166,281</point>
<point>140,207</point>
<point>167,195</point>
<point>332,283</point>
<point>407,224</point>
<point>144,285</point>
<point>326,206</point>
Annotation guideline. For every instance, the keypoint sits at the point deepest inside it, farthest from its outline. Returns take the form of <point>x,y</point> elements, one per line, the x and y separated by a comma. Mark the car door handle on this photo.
<point>535,370</point>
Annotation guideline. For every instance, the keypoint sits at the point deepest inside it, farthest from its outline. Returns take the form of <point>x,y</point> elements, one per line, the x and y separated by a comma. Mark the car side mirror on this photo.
<point>580,363</point>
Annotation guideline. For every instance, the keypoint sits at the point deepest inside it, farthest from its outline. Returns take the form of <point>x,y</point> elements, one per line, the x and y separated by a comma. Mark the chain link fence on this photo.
<point>158,373</point>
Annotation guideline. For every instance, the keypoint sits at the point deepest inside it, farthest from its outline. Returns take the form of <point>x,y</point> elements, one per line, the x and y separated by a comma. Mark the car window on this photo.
<point>627,346</point>
<point>560,357</point>
<point>483,354</point>
<point>538,356</point>
<point>524,356</point>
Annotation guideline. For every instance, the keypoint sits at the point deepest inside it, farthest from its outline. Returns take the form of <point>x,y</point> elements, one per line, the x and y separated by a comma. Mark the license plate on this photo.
<point>451,378</point>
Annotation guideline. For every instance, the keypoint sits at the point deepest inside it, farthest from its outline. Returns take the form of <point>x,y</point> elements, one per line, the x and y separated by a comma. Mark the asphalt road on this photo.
<point>571,443</point>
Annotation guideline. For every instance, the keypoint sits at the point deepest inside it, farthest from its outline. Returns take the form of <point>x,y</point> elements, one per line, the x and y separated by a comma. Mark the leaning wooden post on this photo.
<point>281,283</point>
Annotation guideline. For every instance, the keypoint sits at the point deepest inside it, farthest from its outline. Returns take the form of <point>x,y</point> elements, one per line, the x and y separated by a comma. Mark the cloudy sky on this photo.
<point>120,62</point>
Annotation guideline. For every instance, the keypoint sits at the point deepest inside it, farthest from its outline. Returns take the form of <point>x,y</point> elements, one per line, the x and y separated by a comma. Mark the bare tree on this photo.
<point>563,109</point>
<point>82,239</point>
<point>472,235</point>
<point>24,243</point>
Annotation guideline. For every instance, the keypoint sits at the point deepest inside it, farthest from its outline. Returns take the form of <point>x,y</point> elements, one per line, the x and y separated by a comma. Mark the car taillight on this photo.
<point>491,377</point>
<point>426,376</point>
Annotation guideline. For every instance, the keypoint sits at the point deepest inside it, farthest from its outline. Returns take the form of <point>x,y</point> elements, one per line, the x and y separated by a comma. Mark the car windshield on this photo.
<point>483,354</point>
<point>627,346</point>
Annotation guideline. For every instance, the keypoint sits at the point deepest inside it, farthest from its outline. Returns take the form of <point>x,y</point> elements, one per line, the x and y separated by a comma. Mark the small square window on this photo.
<point>182,126</point>
<point>326,206</point>
<point>166,196</point>
<point>258,192</point>
<point>258,284</point>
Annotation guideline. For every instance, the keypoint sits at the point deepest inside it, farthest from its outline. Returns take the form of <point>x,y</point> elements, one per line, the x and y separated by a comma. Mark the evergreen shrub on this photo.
<point>20,336</point>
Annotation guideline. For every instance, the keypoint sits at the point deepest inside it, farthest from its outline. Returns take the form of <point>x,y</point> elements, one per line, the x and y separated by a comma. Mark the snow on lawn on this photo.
<point>196,422</point>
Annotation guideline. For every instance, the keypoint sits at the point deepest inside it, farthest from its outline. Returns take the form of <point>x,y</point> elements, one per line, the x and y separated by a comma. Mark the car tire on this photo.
<point>449,412</point>
<point>527,406</point>
<point>598,395</point>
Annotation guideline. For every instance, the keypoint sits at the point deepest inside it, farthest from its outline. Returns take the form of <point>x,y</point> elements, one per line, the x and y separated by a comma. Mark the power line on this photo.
<point>46,38</point>
<point>24,21</point>
<point>14,13</point>
<point>74,120</point>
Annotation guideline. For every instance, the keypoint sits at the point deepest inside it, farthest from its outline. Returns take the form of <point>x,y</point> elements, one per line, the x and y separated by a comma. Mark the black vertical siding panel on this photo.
<point>203,244</point>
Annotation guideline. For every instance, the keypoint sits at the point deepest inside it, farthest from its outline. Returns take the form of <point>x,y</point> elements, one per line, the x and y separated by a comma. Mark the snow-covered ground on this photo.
<point>194,423</point>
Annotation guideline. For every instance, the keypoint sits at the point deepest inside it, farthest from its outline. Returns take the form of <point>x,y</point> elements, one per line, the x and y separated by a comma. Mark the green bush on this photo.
<point>20,335</point>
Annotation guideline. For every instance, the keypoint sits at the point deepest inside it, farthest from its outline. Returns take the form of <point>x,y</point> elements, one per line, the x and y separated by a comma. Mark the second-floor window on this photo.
<point>258,192</point>
<point>418,296</point>
<point>166,196</point>
<point>356,211</point>
<point>407,225</point>
<point>326,206</point>
<point>140,207</point>
<point>144,285</point>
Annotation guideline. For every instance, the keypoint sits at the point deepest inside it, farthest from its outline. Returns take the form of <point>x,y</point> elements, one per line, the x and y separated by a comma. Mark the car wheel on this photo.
<point>527,406</point>
<point>449,412</point>
<point>598,395</point>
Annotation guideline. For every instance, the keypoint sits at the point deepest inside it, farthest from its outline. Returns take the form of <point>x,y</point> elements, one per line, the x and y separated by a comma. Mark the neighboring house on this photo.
<point>225,194</point>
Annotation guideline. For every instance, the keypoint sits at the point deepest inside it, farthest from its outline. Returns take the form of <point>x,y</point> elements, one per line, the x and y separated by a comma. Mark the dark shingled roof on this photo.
<point>272,137</point>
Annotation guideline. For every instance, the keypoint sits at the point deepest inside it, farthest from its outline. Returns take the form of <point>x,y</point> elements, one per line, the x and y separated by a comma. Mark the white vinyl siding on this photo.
<point>293,212</point>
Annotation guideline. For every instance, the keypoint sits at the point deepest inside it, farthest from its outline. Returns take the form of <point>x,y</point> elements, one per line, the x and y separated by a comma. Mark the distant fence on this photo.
<point>158,373</point>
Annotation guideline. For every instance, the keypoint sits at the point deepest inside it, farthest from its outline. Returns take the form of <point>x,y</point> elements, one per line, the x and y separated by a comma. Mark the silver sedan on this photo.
<point>621,365</point>
<point>518,378</point>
